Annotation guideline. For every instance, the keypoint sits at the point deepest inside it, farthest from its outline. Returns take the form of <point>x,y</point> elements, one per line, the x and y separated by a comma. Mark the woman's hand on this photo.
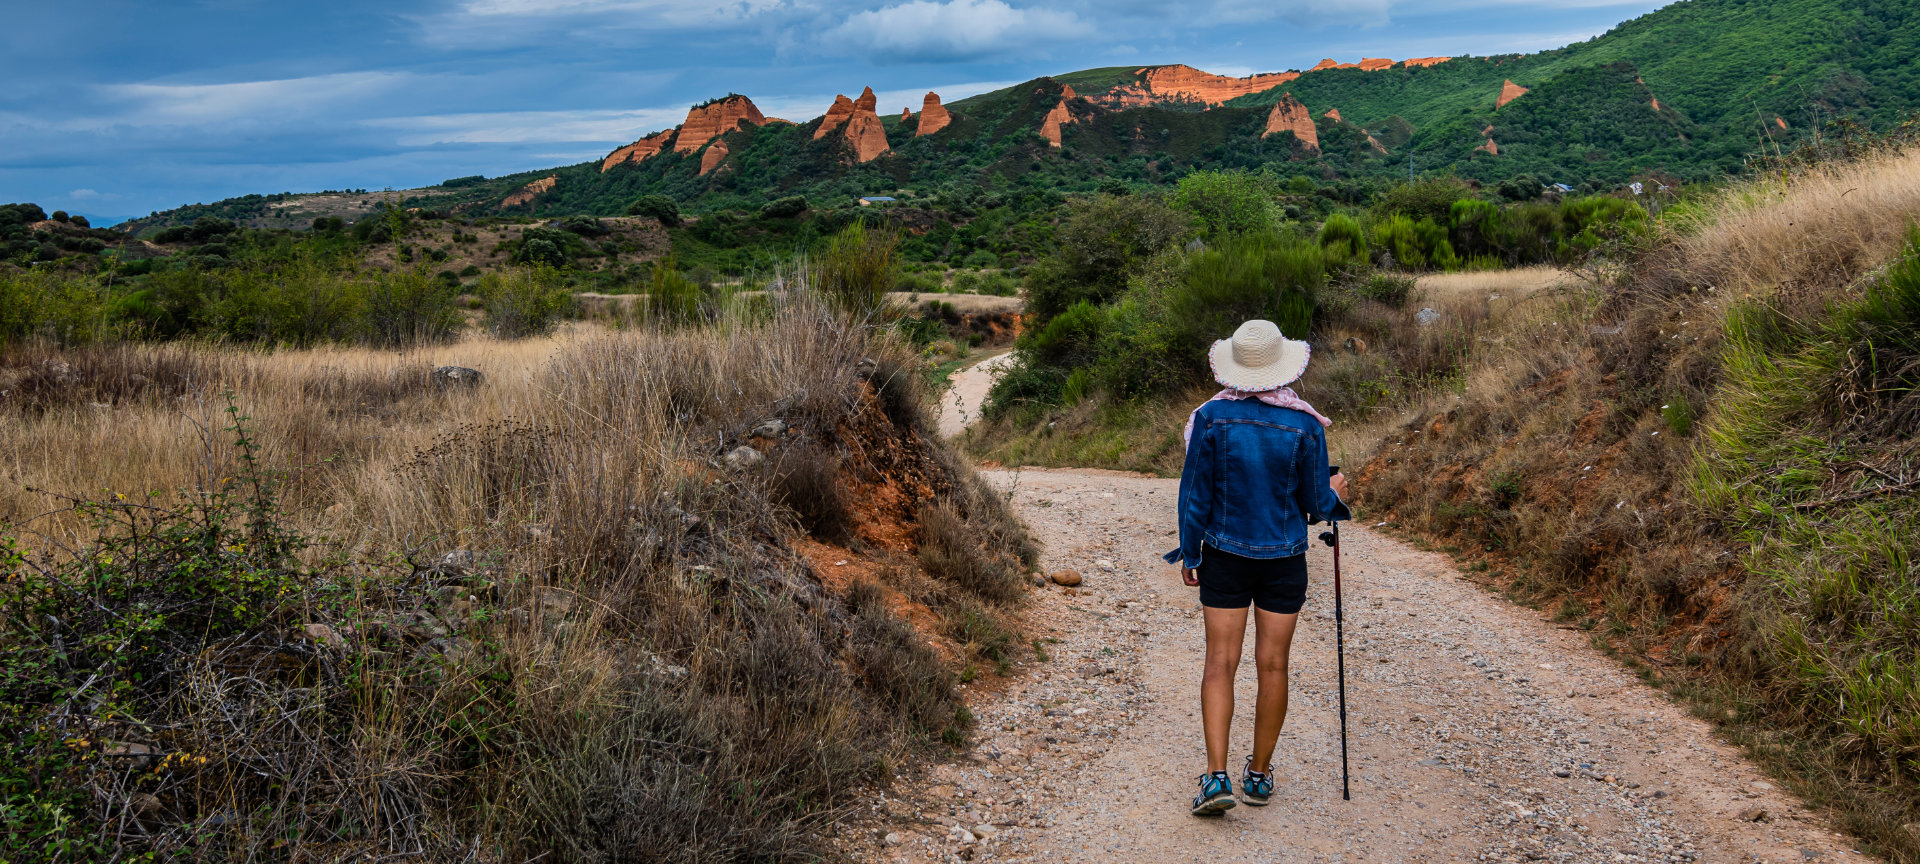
<point>1339,484</point>
<point>1186,575</point>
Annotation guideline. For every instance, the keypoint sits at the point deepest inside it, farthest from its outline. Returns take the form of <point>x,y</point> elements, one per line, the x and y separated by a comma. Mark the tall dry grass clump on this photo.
<point>1821,225</point>
<point>572,611</point>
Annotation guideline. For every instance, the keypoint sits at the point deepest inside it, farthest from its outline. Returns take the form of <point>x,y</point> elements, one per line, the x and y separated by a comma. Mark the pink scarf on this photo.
<point>1279,397</point>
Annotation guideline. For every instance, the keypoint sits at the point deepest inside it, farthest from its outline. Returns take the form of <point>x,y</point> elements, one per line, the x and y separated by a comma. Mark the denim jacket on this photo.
<point>1255,477</point>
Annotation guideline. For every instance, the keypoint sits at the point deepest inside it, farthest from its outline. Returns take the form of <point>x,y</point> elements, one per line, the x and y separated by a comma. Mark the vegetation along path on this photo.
<point>1480,731</point>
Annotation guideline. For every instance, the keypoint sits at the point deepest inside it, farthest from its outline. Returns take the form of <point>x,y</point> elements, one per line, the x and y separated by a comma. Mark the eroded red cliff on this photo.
<point>1289,115</point>
<point>638,151</point>
<point>1332,114</point>
<point>1055,121</point>
<point>1489,148</point>
<point>1181,83</point>
<point>716,155</point>
<point>933,116</point>
<point>713,120</point>
<point>526,194</point>
<point>1509,92</point>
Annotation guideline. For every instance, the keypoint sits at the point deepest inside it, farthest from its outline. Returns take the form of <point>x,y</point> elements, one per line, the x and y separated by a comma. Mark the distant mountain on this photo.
<point>1688,91</point>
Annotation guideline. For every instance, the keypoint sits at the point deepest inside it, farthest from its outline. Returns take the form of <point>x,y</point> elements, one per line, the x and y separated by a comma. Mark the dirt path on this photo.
<point>1480,732</point>
<point>960,405</point>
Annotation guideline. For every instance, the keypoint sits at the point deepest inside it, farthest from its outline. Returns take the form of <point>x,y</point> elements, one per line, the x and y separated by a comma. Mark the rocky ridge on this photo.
<point>527,193</point>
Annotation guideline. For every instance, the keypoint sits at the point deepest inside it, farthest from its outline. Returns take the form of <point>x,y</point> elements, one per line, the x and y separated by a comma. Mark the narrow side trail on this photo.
<point>1480,732</point>
<point>960,405</point>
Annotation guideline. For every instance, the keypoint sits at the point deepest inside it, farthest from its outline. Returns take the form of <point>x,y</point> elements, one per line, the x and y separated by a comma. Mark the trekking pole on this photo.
<point>1332,538</point>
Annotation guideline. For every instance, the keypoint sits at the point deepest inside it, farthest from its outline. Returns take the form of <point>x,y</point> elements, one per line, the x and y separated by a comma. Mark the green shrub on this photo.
<point>1071,340</point>
<point>658,207</point>
<point>784,208</point>
<point>1227,203</point>
<point>1101,244</point>
<point>857,267</point>
<point>525,301</point>
<point>1343,238</point>
<point>673,300</point>
<point>408,307</point>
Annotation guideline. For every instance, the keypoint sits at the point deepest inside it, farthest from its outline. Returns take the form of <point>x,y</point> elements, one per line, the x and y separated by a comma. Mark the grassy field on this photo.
<point>324,604</point>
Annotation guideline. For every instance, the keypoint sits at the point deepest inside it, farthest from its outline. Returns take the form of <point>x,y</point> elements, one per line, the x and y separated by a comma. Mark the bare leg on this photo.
<point>1272,644</point>
<point>1226,629</point>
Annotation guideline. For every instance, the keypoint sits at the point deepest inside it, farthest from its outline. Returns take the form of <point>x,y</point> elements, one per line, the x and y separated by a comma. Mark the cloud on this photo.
<point>521,127</point>
<point>929,31</point>
<point>1307,13</point>
<point>83,194</point>
<point>194,104</point>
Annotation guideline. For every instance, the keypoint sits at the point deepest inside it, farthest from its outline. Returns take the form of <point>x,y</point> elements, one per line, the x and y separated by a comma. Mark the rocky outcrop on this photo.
<point>1782,121</point>
<point>1489,148</point>
<point>1181,83</point>
<point>836,116</point>
<point>703,124</point>
<point>855,118</point>
<point>1656,105</point>
<point>1332,114</point>
<point>906,114</point>
<point>1509,92</point>
<point>638,151</point>
<point>1288,115</point>
<point>715,119</point>
<point>715,155</point>
<point>1055,121</point>
<point>933,116</point>
<point>526,194</point>
<point>1375,64</point>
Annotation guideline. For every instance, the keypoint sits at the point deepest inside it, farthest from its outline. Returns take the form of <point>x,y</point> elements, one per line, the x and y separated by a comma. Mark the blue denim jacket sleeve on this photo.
<point>1313,495</point>
<point>1196,495</point>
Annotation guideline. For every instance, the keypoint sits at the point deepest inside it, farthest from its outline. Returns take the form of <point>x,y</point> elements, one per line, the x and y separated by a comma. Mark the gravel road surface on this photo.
<point>1480,731</point>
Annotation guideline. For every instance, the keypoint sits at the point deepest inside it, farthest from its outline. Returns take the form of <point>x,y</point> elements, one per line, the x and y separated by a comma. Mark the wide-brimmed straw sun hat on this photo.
<point>1258,358</point>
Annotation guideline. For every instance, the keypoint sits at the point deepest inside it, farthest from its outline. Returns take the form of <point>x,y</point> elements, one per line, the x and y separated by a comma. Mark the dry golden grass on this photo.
<point>1508,284</point>
<point>1826,225</point>
<point>641,645</point>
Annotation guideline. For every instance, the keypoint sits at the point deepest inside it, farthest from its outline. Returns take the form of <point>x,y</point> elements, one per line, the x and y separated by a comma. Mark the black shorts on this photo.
<point>1229,581</point>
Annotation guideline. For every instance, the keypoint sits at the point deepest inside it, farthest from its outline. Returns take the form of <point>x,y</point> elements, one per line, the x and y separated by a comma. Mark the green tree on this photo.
<point>658,207</point>
<point>1227,203</point>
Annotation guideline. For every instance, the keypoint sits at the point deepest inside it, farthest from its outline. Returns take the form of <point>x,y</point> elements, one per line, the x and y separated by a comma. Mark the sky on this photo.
<point>117,108</point>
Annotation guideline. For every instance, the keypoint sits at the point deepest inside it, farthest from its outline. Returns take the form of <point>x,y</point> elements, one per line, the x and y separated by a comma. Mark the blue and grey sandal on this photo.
<point>1216,794</point>
<point>1256,787</point>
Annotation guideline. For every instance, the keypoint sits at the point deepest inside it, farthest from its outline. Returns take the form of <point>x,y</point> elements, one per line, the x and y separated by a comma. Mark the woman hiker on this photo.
<point>1256,475</point>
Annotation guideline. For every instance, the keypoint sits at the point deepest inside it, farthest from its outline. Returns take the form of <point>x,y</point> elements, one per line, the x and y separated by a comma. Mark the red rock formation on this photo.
<point>1066,92</point>
<point>836,115</point>
<point>526,194</point>
<point>906,114</point>
<point>1375,143</point>
<point>1375,64</point>
<point>1426,61</point>
<point>715,155</point>
<point>1656,103</point>
<point>1509,92</point>
<point>1328,63</point>
<point>1489,148</point>
<point>862,126</point>
<point>1332,114</point>
<point>708,122</point>
<point>868,136</point>
<point>933,116</point>
<point>638,151</point>
<point>1782,121</point>
<point>1187,84</point>
<point>1291,116</point>
<point>1056,119</point>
